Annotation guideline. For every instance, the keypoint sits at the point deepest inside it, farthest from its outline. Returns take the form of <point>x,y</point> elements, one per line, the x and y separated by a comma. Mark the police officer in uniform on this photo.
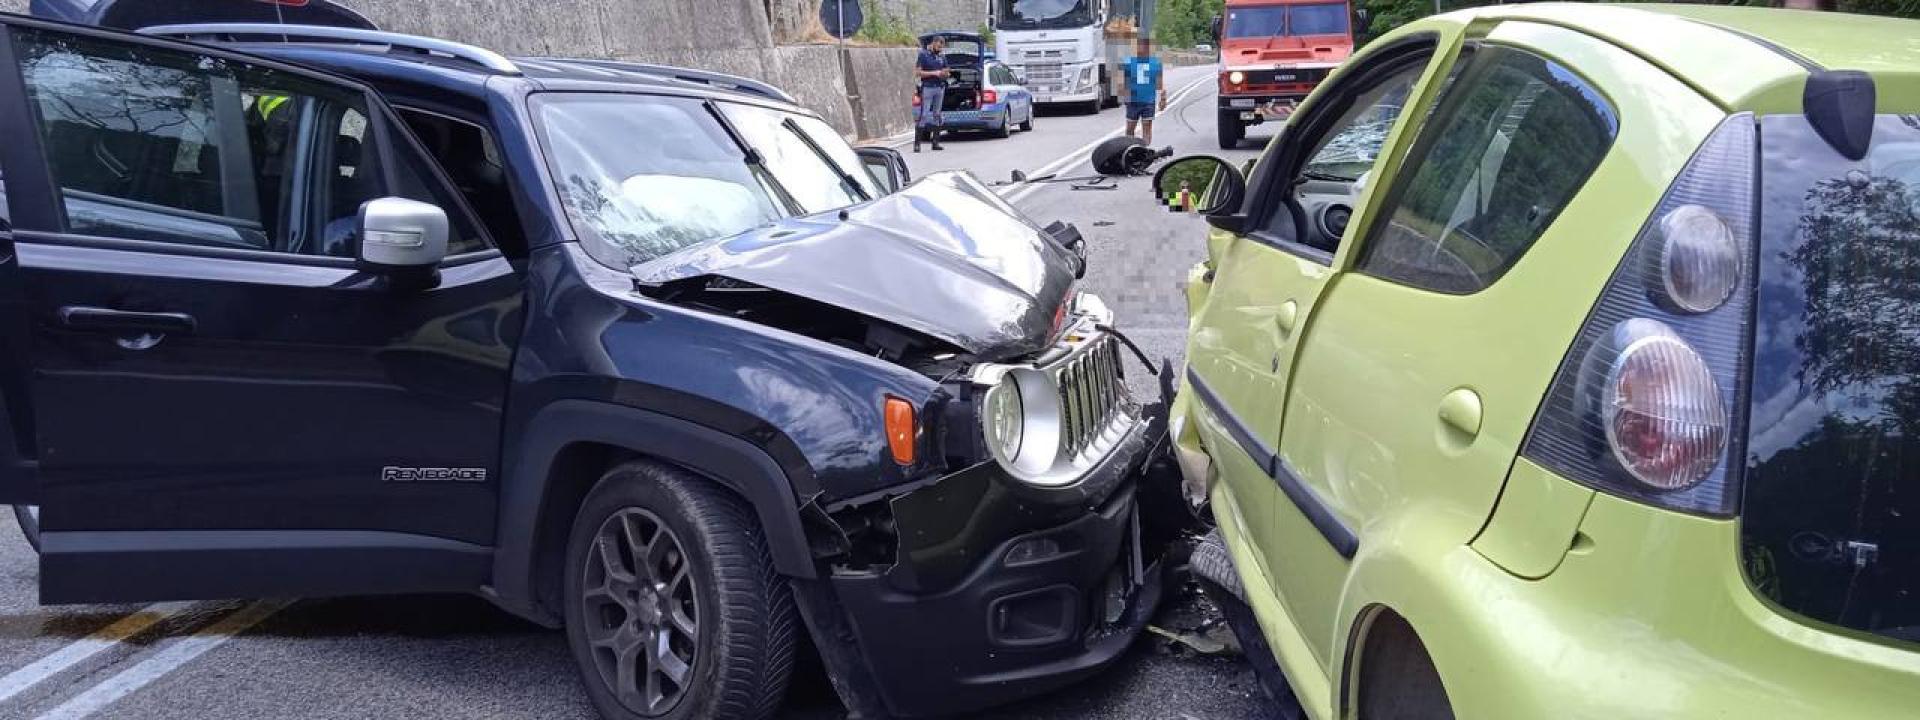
<point>932,71</point>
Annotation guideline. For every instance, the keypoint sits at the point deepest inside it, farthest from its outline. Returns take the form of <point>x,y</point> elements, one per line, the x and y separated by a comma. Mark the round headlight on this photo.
<point>1005,419</point>
<point>1699,260</point>
<point>1236,77</point>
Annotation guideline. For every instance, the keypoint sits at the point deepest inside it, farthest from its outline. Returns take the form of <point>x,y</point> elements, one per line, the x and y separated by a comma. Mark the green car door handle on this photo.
<point>1460,410</point>
<point>1289,313</point>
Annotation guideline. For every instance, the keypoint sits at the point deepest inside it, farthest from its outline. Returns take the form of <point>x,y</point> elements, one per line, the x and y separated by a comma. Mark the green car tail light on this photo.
<point>1649,402</point>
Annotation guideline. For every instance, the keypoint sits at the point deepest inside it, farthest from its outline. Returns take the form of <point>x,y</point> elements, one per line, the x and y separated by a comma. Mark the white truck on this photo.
<point>1066,51</point>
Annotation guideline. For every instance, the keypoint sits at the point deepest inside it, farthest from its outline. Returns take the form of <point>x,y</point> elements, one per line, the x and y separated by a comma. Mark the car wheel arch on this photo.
<point>568,444</point>
<point>1382,647</point>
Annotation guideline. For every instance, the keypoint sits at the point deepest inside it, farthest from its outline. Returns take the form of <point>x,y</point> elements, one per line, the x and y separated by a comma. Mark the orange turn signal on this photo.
<point>900,430</point>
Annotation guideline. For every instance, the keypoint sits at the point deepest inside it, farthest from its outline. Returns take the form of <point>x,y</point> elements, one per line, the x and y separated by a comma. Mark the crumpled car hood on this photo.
<point>944,256</point>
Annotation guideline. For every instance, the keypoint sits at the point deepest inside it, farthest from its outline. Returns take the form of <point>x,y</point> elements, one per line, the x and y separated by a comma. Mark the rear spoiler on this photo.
<point>136,14</point>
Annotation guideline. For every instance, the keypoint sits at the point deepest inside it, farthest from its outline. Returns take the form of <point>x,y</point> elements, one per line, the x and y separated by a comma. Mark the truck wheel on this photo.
<point>673,608</point>
<point>1099,99</point>
<point>1231,131</point>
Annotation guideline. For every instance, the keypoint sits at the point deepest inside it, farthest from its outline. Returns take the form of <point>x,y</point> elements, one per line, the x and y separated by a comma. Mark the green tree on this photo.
<point>1184,23</point>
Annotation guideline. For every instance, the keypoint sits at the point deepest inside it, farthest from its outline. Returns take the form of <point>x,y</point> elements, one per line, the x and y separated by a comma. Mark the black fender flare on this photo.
<point>732,462</point>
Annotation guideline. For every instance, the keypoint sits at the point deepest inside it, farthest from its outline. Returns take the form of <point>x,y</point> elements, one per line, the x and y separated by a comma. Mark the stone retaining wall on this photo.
<point>867,92</point>
<point>730,36</point>
<point>884,79</point>
<point>924,16</point>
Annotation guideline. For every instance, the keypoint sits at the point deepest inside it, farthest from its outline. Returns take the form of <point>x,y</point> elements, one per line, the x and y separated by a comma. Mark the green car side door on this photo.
<point>1270,278</point>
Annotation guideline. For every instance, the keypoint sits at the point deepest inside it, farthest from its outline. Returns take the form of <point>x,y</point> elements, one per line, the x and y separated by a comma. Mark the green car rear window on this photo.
<point>1511,144</point>
<point>1831,519</point>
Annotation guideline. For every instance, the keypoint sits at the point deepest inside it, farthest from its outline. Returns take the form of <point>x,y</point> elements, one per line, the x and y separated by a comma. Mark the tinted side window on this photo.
<point>1512,143</point>
<point>473,162</point>
<point>154,144</point>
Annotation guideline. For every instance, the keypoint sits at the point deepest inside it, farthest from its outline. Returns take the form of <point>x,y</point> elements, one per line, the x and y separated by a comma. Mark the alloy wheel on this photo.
<point>641,611</point>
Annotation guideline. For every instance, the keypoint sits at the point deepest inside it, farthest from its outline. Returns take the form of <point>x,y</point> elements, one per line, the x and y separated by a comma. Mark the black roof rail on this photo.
<point>704,77</point>
<point>483,57</point>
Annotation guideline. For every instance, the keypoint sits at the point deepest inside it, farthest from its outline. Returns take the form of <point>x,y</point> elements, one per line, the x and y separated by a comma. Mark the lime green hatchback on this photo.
<point>1563,361</point>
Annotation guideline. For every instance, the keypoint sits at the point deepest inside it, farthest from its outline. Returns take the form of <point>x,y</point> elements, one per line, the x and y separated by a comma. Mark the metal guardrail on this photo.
<point>478,55</point>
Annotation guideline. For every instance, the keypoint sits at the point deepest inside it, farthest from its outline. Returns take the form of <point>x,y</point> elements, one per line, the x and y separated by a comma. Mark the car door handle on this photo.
<point>1288,315</point>
<point>109,320</point>
<point>1461,411</point>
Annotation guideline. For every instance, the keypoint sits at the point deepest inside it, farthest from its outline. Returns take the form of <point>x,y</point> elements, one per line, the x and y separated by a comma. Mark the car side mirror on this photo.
<point>1362,21</point>
<point>886,166</point>
<point>402,239</point>
<point>1213,29</point>
<point>1200,184</point>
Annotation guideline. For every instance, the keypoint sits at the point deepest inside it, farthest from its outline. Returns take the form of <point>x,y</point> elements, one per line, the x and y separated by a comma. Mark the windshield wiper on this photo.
<point>733,133</point>
<point>753,158</point>
<point>1325,176</point>
<point>846,178</point>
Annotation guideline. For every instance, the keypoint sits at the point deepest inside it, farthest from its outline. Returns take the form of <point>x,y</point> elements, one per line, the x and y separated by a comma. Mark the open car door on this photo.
<point>205,395</point>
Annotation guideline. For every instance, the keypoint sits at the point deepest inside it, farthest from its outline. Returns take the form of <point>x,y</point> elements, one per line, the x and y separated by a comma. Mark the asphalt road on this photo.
<point>458,657</point>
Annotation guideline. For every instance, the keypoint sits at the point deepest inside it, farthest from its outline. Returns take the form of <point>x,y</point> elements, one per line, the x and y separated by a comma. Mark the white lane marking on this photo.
<point>177,653</point>
<point>1016,193</point>
<point>78,651</point>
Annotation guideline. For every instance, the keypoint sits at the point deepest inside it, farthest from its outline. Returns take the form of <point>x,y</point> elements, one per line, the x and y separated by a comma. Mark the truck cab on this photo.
<point>1273,53</point>
<point>1069,51</point>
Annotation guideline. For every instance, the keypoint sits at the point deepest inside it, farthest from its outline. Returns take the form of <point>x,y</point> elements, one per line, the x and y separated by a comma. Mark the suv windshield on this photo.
<point>1044,13</point>
<point>799,159</point>
<point>1831,520</point>
<point>690,183</point>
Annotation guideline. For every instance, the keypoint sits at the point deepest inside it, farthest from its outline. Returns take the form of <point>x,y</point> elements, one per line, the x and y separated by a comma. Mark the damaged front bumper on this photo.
<point>996,592</point>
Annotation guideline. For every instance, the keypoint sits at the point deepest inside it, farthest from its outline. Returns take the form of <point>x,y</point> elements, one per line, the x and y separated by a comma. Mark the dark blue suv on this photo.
<point>648,353</point>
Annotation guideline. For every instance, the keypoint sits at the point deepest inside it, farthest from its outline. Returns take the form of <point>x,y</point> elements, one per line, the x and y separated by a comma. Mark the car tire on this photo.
<point>28,516</point>
<point>1006,128</point>
<point>1027,125</point>
<point>706,607</point>
<point>1230,130</point>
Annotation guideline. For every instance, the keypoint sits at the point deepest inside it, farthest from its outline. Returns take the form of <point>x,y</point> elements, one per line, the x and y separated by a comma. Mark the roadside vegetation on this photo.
<point>883,29</point>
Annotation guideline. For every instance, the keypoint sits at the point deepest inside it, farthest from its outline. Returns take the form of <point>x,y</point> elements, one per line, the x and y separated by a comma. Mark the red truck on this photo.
<point>1273,53</point>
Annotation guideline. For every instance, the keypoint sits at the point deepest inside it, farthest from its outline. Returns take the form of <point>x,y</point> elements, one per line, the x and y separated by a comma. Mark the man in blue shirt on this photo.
<point>932,71</point>
<point>1146,90</point>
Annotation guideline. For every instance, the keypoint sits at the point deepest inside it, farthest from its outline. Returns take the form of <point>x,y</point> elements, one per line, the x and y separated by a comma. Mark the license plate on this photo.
<point>1255,115</point>
<point>1242,102</point>
<point>1283,78</point>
